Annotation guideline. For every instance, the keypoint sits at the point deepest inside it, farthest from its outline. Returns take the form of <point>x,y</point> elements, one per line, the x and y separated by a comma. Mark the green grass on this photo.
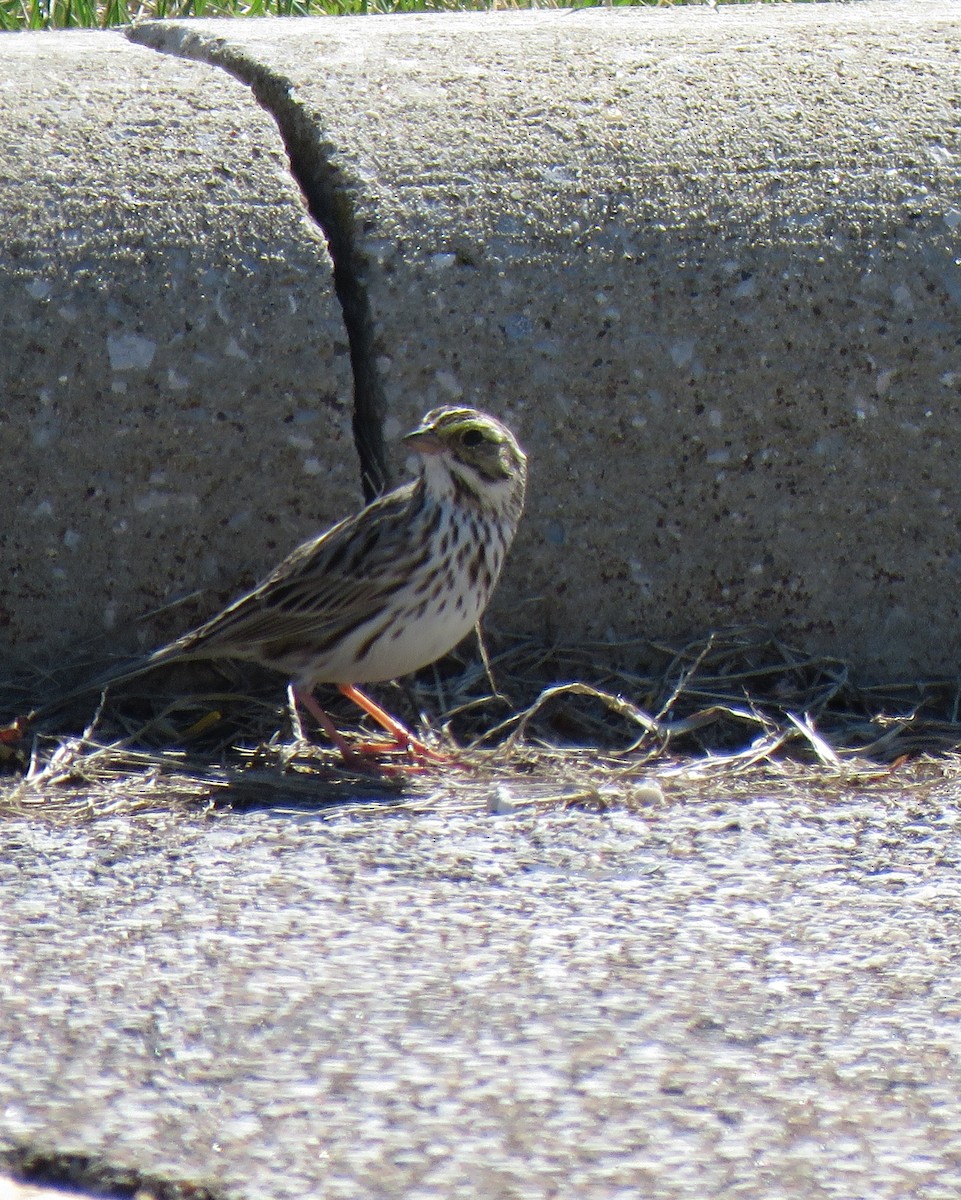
<point>101,14</point>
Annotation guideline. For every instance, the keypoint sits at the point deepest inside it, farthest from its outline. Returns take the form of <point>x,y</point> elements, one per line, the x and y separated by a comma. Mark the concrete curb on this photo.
<point>706,262</point>
<point>174,354</point>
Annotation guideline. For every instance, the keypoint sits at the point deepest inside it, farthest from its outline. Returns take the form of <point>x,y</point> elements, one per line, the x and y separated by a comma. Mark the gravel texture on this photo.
<point>697,995</point>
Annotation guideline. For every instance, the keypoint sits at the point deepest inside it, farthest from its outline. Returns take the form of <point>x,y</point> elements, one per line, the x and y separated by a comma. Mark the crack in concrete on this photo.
<point>330,203</point>
<point>90,1174</point>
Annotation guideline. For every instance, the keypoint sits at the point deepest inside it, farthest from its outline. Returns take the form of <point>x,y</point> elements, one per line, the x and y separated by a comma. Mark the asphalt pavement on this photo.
<point>686,995</point>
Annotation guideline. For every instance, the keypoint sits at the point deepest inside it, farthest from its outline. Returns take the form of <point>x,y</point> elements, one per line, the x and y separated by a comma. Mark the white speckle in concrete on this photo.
<point>313,466</point>
<point>38,289</point>
<point>682,351</point>
<point>558,173</point>
<point>300,441</point>
<point>547,348</point>
<point>71,539</point>
<point>952,218</point>
<point>44,431</point>
<point>646,791</point>
<point>130,351</point>
<point>148,501</point>
<point>440,262</point>
<point>156,500</point>
<point>902,296</point>
<point>518,327</point>
<point>449,384</point>
<point>233,349</point>
<point>940,155</point>
<point>883,382</point>
<point>501,801</point>
<point>177,381</point>
<point>43,509</point>
<point>119,387</point>
<point>949,379</point>
<point>746,288</point>
<point>380,250</point>
<point>715,418</point>
<point>639,575</point>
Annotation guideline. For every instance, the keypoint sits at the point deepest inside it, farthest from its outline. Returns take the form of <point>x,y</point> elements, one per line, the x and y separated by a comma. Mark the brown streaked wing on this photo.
<point>333,582</point>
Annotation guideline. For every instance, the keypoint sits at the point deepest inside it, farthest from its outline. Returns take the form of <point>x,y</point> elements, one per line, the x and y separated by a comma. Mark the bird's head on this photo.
<point>471,457</point>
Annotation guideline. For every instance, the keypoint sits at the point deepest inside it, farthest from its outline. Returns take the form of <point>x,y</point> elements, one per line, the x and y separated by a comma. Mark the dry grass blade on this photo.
<point>518,724</point>
<point>725,706</point>
<point>820,747</point>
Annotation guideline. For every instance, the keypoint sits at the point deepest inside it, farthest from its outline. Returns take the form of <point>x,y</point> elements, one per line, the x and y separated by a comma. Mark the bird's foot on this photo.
<point>409,745</point>
<point>366,756</point>
<point>12,733</point>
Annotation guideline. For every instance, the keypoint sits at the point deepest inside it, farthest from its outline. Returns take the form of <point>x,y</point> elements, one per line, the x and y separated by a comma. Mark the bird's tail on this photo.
<point>118,673</point>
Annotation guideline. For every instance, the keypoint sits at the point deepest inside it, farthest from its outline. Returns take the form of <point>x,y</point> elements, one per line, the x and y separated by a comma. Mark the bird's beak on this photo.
<point>424,441</point>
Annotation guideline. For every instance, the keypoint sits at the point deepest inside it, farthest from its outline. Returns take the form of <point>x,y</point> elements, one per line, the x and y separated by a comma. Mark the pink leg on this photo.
<point>307,701</point>
<point>403,738</point>
<point>353,756</point>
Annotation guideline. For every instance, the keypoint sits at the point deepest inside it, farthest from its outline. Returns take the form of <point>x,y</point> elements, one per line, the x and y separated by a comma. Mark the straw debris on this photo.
<point>589,725</point>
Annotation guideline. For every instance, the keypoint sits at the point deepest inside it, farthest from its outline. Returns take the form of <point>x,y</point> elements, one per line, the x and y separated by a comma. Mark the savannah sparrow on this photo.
<point>388,590</point>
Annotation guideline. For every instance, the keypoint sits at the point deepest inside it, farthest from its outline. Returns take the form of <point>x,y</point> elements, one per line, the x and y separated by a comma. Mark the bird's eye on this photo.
<point>472,437</point>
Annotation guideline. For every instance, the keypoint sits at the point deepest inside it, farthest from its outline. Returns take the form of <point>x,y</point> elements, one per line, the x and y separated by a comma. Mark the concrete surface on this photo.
<point>175,380</point>
<point>710,996</point>
<point>10,1189</point>
<point>705,260</point>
